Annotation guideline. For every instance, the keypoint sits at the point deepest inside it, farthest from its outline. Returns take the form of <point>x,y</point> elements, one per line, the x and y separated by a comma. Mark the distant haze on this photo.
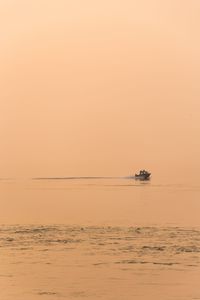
<point>99,87</point>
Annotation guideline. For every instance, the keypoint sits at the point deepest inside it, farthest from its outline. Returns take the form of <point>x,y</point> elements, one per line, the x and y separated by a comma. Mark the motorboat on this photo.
<point>143,175</point>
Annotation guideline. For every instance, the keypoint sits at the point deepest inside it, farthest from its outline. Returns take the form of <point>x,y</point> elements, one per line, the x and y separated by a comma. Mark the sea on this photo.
<point>99,238</point>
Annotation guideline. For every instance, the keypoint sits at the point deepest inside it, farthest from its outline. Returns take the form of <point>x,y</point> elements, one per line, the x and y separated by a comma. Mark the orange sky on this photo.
<point>98,87</point>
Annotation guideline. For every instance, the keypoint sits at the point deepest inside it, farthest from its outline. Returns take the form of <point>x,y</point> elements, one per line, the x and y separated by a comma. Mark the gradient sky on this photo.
<point>99,87</point>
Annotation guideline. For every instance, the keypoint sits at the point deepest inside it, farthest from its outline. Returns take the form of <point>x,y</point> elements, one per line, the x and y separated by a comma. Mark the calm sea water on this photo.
<point>99,239</point>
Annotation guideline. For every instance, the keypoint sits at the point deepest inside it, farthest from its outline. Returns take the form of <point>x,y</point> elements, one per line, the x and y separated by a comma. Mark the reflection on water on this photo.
<point>120,239</point>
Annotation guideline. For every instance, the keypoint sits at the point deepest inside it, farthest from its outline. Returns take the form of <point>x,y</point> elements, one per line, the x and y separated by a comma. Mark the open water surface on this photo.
<point>99,239</point>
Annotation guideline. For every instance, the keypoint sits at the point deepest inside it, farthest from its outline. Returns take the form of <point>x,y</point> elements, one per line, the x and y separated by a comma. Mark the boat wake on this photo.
<point>81,177</point>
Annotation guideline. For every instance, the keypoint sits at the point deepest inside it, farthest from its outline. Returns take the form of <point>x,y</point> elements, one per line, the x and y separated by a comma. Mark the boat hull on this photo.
<point>143,177</point>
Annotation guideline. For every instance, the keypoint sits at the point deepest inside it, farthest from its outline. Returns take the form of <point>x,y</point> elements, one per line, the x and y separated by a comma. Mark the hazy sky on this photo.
<point>99,87</point>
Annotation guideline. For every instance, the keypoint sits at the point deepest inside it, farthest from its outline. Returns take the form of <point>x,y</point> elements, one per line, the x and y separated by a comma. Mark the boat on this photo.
<point>143,175</point>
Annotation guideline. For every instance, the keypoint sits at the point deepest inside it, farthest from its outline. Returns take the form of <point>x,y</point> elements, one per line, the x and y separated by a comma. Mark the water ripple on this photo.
<point>166,246</point>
